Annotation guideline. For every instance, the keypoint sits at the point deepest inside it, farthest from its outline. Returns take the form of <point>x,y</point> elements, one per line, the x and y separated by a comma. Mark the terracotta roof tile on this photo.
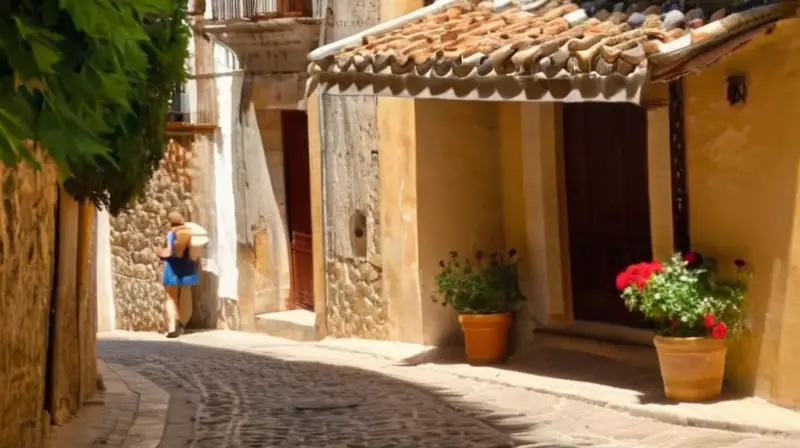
<point>551,39</point>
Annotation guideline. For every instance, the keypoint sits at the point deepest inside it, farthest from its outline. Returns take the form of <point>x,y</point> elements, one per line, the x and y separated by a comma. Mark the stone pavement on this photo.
<point>620,377</point>
<point>232,389</point>
<point>130,411</point>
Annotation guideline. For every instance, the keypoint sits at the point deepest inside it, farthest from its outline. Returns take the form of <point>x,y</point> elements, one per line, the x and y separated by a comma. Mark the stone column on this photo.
<point>399,245</point>
<point>106,313</point>
<point>356,306</point>
<point>317,203</point>
<point>205,303</point>
<point>545,202</point>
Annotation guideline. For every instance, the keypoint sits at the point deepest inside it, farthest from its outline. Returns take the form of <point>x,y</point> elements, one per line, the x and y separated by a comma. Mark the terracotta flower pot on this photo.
<point>691,368</point>
<point>485,337</point>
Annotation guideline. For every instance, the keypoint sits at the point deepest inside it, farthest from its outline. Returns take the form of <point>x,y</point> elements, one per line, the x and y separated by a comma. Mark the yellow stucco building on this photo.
<point>559,164</point>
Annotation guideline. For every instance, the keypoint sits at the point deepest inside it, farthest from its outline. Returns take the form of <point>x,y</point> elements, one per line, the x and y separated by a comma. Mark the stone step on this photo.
<point>297,325</point>
<point>628,353</point>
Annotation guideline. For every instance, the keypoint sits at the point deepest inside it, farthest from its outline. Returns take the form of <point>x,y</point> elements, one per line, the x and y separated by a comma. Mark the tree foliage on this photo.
<point>90,81</point>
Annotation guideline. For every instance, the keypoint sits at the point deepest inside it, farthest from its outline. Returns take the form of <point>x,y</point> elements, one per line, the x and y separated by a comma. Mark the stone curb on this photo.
<point>150,417</point>
<point>632,409</point>
<point>116,416</point>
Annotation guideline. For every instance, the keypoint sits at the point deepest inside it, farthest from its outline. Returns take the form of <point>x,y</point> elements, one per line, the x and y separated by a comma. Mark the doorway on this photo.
<point>294,127</point>
<point>608,206</point>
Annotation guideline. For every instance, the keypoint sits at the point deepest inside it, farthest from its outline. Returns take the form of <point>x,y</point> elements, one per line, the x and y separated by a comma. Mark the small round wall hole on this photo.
<point>358,233</point>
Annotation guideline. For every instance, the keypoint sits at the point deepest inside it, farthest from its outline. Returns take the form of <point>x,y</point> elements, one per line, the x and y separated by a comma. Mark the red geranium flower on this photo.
<point>638,274</point>
<point>690,257</point>
<point>623,280</point>
<point>709,320</point>
<point>656,266</point>
<point>719,331</point>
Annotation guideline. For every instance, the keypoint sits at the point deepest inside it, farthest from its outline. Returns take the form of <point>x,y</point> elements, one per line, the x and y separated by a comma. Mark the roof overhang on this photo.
<point>275,45</point>
<point>617,88</point>
<point>385,75</point>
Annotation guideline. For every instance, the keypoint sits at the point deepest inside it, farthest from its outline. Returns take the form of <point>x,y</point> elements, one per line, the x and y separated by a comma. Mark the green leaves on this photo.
<point>43,45</point>
<point>678,298</point>
<point>83,78</point>
<point>11,148</point>
<point>479,286</point>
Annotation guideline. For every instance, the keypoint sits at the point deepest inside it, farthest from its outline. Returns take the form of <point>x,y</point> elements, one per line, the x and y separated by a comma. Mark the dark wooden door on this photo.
<point>298,203</point>
<point>605,160</point>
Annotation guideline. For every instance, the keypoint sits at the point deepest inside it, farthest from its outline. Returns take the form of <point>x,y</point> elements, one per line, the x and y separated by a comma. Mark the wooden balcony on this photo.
<point>255,10</point>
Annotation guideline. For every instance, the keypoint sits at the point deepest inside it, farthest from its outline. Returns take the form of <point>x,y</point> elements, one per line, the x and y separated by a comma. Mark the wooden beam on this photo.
<point>65,384</point>
<point>655,94</point>
<point>86,315</point>
<point>677,145</point>
<point>179,128</point>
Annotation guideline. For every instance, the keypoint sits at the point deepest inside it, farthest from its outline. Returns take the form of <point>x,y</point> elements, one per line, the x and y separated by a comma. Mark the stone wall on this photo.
<point>743,184</point>
<point>271,262</point>
<point>27,235</point>
<point>136,233</point>
<point>260,198</point>
<point>355,307</point>
<point>269,126</point>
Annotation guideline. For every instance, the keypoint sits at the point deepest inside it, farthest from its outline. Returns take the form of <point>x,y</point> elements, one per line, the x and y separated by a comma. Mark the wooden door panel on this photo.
<point>298,203</point>
<point>296,165</point>
<point>605,160</point>
<point>302,268</point>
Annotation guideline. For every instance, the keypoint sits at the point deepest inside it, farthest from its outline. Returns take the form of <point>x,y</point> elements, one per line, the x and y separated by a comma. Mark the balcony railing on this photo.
<point>262,9</point>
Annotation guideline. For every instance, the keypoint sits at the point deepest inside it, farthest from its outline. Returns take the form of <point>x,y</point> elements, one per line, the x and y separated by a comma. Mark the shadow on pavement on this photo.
<point>247,399</point>
<point>639,374</point>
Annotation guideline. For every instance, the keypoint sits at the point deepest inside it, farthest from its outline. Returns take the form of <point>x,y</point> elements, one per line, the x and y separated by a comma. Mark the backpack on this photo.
<point>198,239</point>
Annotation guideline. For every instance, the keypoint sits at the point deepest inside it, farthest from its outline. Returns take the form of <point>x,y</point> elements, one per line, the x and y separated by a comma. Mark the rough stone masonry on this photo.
<point>355,307</point>
<point>137,232</point>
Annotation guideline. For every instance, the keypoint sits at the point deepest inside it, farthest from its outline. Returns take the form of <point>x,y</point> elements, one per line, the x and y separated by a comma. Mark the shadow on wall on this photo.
<point>264,212</point>
<point>743,184</point>
<point>356,407</point>
<point>205,304</point>
<point>459,197</point>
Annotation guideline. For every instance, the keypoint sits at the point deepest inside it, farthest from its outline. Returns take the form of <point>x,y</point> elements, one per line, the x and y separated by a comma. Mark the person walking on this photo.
<point>180,274</point>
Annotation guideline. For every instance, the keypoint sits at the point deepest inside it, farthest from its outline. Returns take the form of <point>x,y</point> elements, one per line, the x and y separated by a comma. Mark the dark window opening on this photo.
<point>178,105</point>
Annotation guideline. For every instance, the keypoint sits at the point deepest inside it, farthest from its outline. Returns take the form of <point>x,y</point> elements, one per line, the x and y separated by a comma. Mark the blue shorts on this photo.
<point>180,272</point>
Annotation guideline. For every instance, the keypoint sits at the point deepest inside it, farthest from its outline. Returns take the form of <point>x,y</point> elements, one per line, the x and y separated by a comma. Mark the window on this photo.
<point>179,105</point>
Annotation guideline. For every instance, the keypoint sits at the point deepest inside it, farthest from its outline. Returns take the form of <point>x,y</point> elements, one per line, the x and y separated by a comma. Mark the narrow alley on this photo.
<point>224,389</point>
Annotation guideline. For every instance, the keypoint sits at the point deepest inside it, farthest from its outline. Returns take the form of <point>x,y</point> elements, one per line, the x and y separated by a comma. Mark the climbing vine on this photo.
<point>90,81</point>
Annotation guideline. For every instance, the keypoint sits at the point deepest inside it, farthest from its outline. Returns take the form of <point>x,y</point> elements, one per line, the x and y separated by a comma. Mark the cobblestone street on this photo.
<point>246,390</point>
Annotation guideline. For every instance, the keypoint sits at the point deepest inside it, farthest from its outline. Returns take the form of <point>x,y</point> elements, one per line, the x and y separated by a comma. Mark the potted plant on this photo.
<point>695,312</point>
<point>484,291</point>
